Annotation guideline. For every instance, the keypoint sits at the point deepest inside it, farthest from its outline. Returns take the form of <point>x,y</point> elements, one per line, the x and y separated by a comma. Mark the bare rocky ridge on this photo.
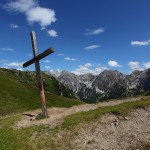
<point>81,85</point>
<point>108,84</point>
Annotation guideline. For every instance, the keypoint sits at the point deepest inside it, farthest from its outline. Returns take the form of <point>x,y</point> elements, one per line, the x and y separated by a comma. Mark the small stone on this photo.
<point>112,124</point>
<point>116,123</point>
<point>120,117</point>
<point>126,118</point>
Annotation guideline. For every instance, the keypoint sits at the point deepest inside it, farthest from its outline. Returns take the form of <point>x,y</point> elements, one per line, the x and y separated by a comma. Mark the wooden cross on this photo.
<point>35,60</point>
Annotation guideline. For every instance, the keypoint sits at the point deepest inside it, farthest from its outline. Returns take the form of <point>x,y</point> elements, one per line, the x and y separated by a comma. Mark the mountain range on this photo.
<point>18,89</point>
<point>108,84</point>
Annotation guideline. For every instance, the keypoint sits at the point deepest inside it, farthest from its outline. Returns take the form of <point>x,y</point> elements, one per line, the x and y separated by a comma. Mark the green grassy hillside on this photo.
<point>18,92</point>
<point>29,78</point>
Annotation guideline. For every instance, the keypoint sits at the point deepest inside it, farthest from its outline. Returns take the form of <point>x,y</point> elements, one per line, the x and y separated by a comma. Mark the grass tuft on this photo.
<point>40,117</point>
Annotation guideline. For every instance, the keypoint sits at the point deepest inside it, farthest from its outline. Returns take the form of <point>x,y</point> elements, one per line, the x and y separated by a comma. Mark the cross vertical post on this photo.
<point>38,75</point>
<point>36,58</point>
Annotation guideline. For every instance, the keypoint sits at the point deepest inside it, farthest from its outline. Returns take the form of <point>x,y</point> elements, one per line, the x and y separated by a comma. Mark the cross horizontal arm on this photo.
<point>38,57</point>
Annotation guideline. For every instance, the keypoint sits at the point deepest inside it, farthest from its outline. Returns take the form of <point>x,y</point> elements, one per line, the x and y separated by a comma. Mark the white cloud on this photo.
<point>47,61</point>
<point>21,69</point>
<point>98,70</point>
<point>21,6</point>
<point>33,12</point>
<point>140,43</point>
<point>89,68</point>
<point>68,58</point>
<point>94,31</point>
<point>5,67</point>
<point>88,65</point>
<point>146,65</point>
<point>43,16</point>
<point>57,70</point>
<point>52,33</point>
<point>14,64</point>
<point>47,67</point>
<point>14,26</point>
<point>92,47</point>
<point>7,49</point>
<point>113,63</point>
<point>135,65</point>
<point>60,54</point>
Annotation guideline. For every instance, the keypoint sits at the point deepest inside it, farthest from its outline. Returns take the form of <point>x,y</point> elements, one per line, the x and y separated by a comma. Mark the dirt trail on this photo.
<point>56,115</point>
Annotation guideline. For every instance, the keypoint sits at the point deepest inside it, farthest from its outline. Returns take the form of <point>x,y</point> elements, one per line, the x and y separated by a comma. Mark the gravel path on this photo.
<point>57,114</point>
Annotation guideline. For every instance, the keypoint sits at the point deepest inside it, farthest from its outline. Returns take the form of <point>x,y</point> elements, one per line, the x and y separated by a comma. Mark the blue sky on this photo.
<point>88,36</point>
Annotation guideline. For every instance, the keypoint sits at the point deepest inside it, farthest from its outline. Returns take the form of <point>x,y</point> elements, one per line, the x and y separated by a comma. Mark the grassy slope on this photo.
<point>29,78</point>
<point>16,96</point>
<point>21,139</point>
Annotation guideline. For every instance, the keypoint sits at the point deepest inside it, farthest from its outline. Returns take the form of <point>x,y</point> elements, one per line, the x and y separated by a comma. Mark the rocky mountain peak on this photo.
<point>108,84</point>
<point>107,79</point>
